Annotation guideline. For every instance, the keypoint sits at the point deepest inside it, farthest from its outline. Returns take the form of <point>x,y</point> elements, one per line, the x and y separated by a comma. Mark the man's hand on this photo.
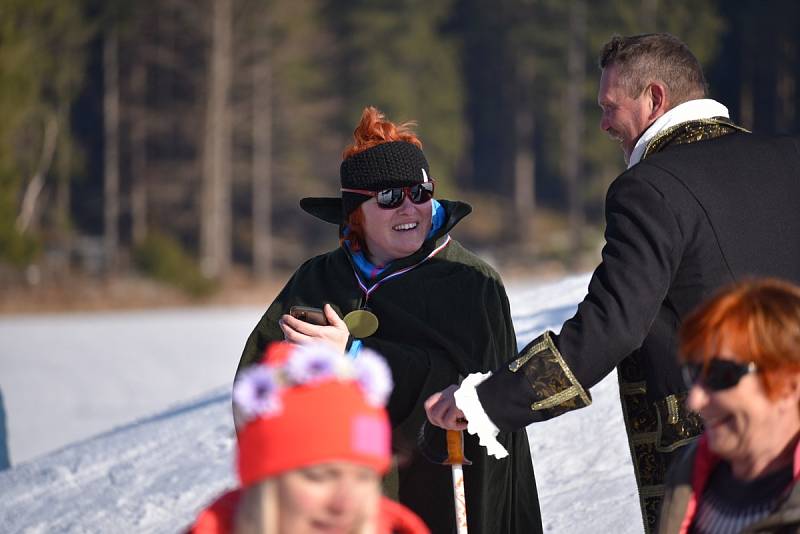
<point>300,332</point>
<point>443,412</point>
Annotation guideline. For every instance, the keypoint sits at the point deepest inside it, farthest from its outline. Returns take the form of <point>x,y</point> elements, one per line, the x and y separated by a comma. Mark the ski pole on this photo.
<point>455,459</point>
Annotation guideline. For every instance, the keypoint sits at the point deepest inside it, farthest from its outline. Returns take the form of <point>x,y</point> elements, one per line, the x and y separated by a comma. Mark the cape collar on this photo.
<point>704,108</point>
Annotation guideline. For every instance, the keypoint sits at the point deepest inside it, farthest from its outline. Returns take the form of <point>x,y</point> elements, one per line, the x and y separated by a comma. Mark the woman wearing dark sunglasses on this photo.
<point>742,360</point>
<point>400,285</point>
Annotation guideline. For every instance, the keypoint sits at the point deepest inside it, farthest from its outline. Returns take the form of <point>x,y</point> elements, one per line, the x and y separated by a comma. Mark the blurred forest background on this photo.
<point>171,140</point>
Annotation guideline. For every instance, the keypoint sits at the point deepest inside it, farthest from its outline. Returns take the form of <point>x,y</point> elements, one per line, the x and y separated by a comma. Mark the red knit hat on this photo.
<point>305,405</point>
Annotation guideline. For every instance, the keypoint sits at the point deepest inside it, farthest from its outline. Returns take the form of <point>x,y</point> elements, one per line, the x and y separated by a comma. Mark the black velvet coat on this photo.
<point>679,225</point>
<point>444,319</point>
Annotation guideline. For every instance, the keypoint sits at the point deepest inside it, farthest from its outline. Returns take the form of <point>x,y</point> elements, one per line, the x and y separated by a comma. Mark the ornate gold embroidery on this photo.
<point>682,426</point>
<point>690,132</point>
<point>652,444</point>
<point>556,399</point>
<point>538,346</point>
<point>555,388</point>
<point>672,409</point>
<point>519,362</point>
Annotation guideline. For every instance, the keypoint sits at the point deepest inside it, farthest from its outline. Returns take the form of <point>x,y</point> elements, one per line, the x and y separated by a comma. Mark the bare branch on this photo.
<point>36,183</point>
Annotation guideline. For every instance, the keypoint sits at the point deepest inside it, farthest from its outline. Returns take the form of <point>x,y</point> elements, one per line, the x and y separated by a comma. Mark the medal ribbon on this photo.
<point>368,290</point>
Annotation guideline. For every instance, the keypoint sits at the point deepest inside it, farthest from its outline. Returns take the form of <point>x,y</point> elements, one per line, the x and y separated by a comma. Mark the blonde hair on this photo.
<point>258,510</point>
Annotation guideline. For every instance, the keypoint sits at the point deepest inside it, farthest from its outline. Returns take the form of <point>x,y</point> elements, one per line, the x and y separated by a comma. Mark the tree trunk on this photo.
<point>525,155</point>
<point>215,239</point>
<point>139,153</point>
<point>63,232</point>
<point>36,183</point>
<point>262,166</point>
<point>574,122</point>
<point>110,150</point>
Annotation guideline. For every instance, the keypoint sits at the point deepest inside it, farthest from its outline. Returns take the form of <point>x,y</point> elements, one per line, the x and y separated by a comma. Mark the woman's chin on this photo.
<point>407,245</point>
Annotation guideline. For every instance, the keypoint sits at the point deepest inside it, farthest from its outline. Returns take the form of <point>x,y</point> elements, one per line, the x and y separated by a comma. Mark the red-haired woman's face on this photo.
<point>391,234</point>
<point>742,424</point>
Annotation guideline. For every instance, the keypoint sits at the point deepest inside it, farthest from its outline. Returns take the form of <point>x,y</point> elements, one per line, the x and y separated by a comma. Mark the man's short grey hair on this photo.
<point>646,58</point>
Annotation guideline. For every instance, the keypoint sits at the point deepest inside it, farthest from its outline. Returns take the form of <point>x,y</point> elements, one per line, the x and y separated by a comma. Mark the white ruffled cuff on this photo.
<point>467,401</point>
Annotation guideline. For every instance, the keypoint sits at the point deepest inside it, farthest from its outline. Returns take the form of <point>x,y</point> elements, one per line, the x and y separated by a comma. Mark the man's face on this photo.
<point>624,118</point>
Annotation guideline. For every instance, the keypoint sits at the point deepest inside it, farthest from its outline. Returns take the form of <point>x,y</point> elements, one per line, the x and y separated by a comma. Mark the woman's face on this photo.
<point>331,498</point>
<point>741,421</point>
<point>395,233</point>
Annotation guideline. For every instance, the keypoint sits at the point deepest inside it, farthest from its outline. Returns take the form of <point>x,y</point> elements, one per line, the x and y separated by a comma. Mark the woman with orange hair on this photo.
<point>742,361</point>
<point>400,285</point>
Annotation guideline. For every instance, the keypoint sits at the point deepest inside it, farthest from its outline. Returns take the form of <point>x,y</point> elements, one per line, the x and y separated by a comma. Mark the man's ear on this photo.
<point>659,102</point>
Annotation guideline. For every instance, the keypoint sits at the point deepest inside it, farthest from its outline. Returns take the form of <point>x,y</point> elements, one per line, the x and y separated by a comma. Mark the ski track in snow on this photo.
<point>153,475</point>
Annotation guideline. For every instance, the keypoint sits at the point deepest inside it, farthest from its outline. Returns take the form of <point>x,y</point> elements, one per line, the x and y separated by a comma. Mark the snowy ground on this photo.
<point>120,422</point>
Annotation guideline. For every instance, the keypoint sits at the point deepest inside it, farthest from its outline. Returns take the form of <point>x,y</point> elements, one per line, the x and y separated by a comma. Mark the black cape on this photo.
<point>444,319</point>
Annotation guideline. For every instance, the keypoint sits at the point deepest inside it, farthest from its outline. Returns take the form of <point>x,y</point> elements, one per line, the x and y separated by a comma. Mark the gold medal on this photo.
<point>361,323</point>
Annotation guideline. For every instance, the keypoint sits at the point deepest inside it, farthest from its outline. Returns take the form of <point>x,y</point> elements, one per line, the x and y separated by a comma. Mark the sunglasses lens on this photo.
<point>421,192</point>
<point>724,374</point>
<point>718,374</point>
<point>390,198</point>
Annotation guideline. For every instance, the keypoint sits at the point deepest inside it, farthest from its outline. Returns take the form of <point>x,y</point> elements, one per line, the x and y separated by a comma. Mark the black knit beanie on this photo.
<point>393,164</point>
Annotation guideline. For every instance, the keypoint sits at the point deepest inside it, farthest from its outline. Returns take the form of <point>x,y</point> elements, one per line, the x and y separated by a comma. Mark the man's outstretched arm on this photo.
<point>644,244</point>
<point>535,386</point>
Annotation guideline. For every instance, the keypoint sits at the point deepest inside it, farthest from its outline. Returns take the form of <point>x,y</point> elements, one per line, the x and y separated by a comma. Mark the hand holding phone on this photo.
<point>309,315</point>
<point>308,329</point>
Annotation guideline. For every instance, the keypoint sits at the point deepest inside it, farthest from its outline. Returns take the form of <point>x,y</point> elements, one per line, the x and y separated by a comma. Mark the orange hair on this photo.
<point>758,320</point>
<point>356,236</point>
<point>373,129</point>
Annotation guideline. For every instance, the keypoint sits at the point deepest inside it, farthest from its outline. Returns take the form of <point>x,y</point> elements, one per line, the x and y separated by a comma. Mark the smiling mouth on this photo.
<point>327,527</point>
<point>405,227</point>
<point>716,421</point>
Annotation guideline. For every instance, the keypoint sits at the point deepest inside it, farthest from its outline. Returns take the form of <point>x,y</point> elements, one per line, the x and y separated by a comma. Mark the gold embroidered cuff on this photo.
<point>677,425</point>
<point>555,387</point>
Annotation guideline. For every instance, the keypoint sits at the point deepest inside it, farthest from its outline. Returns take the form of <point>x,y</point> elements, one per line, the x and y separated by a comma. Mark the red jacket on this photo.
<point>218,517</point>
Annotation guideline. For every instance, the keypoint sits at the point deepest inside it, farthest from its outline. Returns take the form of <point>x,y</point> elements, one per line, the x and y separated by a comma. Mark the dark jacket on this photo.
<point>679,225</point>
<point>689,474</point>
<point>444,319</point>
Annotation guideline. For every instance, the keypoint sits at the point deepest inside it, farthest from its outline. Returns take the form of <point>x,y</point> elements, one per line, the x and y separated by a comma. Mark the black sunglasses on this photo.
<point>391,198</point>
<point>716,374</point>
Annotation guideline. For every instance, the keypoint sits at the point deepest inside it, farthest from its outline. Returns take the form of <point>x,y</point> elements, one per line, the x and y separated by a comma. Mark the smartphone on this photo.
<point>309,315</point>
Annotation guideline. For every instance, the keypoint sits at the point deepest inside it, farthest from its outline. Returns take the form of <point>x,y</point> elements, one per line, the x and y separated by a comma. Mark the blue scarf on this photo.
<point>367,269</point>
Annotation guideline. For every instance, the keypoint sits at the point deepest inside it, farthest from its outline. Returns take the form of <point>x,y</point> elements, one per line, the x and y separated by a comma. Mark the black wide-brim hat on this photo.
<point>383,166</point>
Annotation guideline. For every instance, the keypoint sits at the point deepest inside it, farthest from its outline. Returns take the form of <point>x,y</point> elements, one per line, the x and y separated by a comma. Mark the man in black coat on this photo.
<point>702,204</point>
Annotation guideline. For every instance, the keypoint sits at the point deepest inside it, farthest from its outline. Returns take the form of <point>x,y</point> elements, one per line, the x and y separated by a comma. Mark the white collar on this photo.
<point>704,108</point>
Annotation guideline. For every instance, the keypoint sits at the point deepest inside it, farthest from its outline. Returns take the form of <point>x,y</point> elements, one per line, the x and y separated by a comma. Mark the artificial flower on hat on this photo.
<point>279,403</point>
